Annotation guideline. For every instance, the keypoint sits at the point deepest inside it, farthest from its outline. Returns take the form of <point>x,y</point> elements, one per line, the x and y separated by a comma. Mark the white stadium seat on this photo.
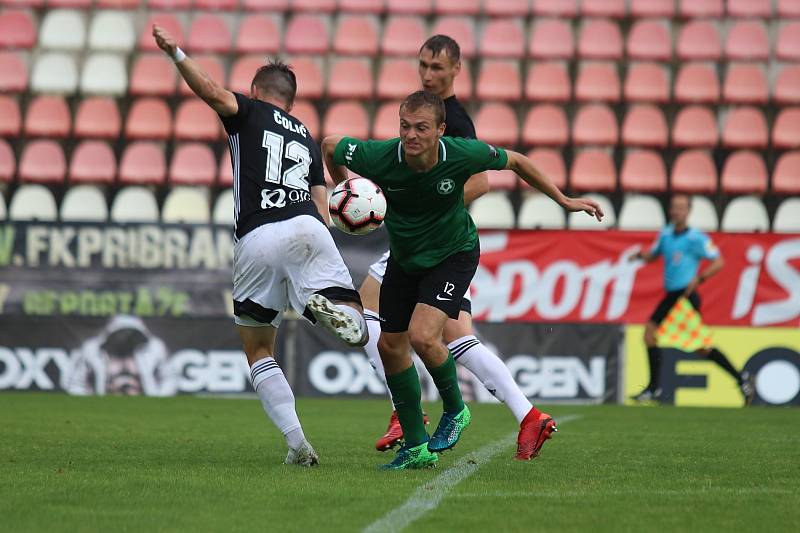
<point>583,221</point>
<point>112,30</point>
<point>3,212</point>
<point>186,204</point>
<point>104,74</point>
<point>787,217</point>
<point>134,204</point>
<point>223,208</point>
<point>539,211</point>
<point>55,73</point>
<point>745,214</point>
<point>63,29</point>
<point>641,212</point>
<point>33,202</point>
<point>703,215</point>
<point>493,210</point>
<point>84,203</point>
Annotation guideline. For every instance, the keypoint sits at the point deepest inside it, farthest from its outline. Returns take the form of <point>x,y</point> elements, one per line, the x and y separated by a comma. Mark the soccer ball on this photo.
<point>357,206</point>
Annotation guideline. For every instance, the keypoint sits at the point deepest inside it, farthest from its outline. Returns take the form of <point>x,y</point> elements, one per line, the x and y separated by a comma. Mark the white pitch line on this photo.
<point>428,496</point>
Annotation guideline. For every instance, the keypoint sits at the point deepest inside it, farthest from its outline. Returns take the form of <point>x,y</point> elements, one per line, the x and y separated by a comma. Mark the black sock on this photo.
<point>654,355</point>
<point>719,358</point>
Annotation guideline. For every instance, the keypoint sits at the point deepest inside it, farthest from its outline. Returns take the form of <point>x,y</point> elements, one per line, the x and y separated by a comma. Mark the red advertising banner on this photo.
<point>573,276</point>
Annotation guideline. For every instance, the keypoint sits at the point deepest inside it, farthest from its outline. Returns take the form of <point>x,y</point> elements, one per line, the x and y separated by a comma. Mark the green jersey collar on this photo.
<point>442,151</point>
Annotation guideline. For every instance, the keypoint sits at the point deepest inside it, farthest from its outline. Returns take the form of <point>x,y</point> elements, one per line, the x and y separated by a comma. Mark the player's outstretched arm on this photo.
<point>476,186</point>
<point>221,100</point>
<point>526,170</point>
<point>338,172</point>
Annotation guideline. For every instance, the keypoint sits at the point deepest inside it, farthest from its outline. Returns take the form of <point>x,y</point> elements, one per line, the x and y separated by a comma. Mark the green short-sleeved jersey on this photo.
<point>426,216</point>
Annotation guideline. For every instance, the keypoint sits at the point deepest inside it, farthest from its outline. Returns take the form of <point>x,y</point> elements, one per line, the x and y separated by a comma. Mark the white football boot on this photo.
<point>339,323</point>
<point>303,456</point>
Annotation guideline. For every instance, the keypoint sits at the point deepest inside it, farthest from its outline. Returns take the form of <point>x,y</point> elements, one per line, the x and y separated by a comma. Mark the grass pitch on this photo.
<point>195,464</point>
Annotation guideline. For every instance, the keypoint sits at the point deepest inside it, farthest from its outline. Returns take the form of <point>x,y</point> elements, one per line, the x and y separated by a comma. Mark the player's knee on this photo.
<point>388,348</point>
<point>423,342</point>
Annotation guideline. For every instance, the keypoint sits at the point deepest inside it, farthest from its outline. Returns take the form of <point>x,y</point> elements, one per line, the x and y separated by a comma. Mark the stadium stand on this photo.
<point>600,39</point>
<point>697,83</point>
<point>787,217</point>
<point>652,8</point>
<point>645,125</point>
<point>553,8</point>
<point>597,81</point>
<point>134,204</point>
<point>98,117</point>
<point>551,39</point>
<point>10,117</point>
<point>193,164</point>
<point>397,78</point>
<point>643,171</point>
<point>694,172</point>
<point>152,75</point>
<point>462,29</point>
<point>701,8</point>
<point>786,129</point>
<point>457,7</point>
<point>17,29</point>
<point>539,212</point>
<point>695,126</point>
<point>149,118</point>
<point>503,38</point>
<point>745,214</point>
<point>545,125</point>
<point>745,83</point>
<point>497,124</point>
<point>646,82</point>
<point>104,74</point>
<point>3,209</point>
<point>48,116</point>
<point>258,34</point>
<point>55,73</point>
<point>112,31</point>
<point>196,121</point>
<point>346,118</point>
<point>93,162</point>
<point>595,124</point>
<point>43,161</point>
<point>593,170</point>
<point>493,210</point>
<point>186,204</point>
<point>223,208</point>
<point>649,40</point>
<point>402,35</point>
<point>385,123</point>
<point>13,73</point>
<point>356,35</point>
<point>209,34</point>
<point>641,212</point>
<point>411,7</point>
<point>786,177</point>
<point>788,46</point>
<point>63,29</point>
<point>307,114</point>
<point>698,41</point>
<point>350,78</point>
<point>84,203</point>
<point>142,163</point>
<point>787,85</point>
<point>703,215</point>
<point>214,68</point>
<point>499,80</point>
<point>551,163</point>
<point>583,221</point>
<point>548,82</point>
<point>744,172</point>
<point>8,165</point>
<point>33,201</point>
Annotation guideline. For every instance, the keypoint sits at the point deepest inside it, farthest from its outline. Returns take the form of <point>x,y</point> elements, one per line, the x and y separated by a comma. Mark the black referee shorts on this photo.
<point>666,303</point>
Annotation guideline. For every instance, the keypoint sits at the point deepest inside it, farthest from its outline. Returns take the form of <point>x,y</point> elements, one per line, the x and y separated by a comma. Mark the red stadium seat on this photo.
<point>216,5</point>
<point>548,82</point>
<point>258,34</point>
<point>196,121</point>
<point>507,8</point>
<point>701,8</point>
<point>788,46</point>
<point>699,40</point>
<point>744,172</point>
<point>24,3</point>
<point>697,83</point>
<point>402,36</point>
<point>745,83</point>
<point>463,83</point>
<point>694,172</point>
<point>42,161</point>
<point>209,33</point>
<point>545,125</point>
<point>225,172</point>
<point>13,73</point>
<point>788,8</point>
<point>551,39</point>
<point>747,40</point>
<point>410,7</point>
<point>787,86</point>
<point>645,125</point>
<point>554,8</point>
<point>786,130</point>
<point>98,117</point>
<point>307,34</point>
<point>497,124</point>
<point>502,180</point>
<point>603,8</point>
<point>643,171</point>
<point>595,124</point>
<point>386,123</point>
<point>650,39</point>
<point>10,117</point>
<point>76,4</point>
<point>462,29</point>
<point>317,6</point>
<point>350,78</point>
<point>167,21</point>
<point>652,8</point>
<point>398,78</point>
<point>149,118</point>
<point>193,164</point>
<point>597,82</point>
<point>346,118</point>
<point>143,163</point>
<point>93,162</point>
<point>745,127</point>
<point>551,164</point>
<point>356,35</point>
<point>265,6</point>
<point>119,4</point>
<point>503,38</point>
<point>457,7</point>
<point>593,170</point>
<point>786,177</point>
<point>153,75</point>
<point>362,6</point>
<point>243,71</point>
<point>17,29</point>
<point>600,39</point>
<point>212,65</point>
<point>695,126</point>
<point>310,82</point>
<point>48,116</point>
<point>305,112</point>
<point>172,5</point>
<point>646,82</point>
<point>8,165</point>
<point>750,8</point>
<point>499,80</point>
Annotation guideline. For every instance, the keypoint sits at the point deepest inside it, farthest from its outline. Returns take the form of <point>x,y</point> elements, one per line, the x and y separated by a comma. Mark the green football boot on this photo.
<point>414,457</point>
<point>450,427</point>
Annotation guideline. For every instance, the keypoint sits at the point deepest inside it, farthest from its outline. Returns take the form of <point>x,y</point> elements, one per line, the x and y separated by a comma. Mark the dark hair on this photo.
<point>437,43</point>
<point>420,99</point>
<point>685,195</point>
<point>276,79</point>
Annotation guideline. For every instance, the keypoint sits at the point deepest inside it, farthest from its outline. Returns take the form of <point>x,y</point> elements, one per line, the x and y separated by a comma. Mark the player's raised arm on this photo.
<point>338,172</point>
<point>221,100</point>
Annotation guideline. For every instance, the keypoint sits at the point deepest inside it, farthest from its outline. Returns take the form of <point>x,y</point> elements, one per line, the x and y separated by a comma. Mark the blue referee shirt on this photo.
<point>682,255</point>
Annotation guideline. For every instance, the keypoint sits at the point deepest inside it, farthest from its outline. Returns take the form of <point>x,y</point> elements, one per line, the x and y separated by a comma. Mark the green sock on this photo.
<point>446,380</point>
<point>407,394</point>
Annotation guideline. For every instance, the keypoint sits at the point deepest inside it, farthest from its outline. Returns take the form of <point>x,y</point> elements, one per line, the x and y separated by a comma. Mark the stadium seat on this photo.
<point>462,29</point>
<point>597,82</point>
<point>213,67</point>
<point>499,80</point>
<point>3,210</point>
<point>223,208</point>
<point>786,176</point>
<point>266,5</point>
<point>8,164</point>
<point>192,164</point>
<point>787,86</point>
<point>171,5</point>
<point>134,204</point>
<point>243,71</point>
<point>788,45</point>
<point>356,35</point>
<point>410,7</point>
<point>457,7</point>
<point>149,118</point>
<point>361,6</point>
<point>258,34</point>
<point>42,161</point>
<point>104,74</point>
<point>646,82</point>
<point>502,180</point>
<point>640,212</point>
<point>548,82</point>
<point>650,40</point>
<point>98,117</point>
<point>169,22</point>
<point>652,8</point>
<point>93,162</point>
<point>745,127</point>
<point>463,83</point>
<point>209,33</point>
<point>346,118</point>
<point>604,8</point>
<point>196,121</point>
<point>600,39</point>
<point>305,112</point>
<point>186,205</point>
<point>497,124</point>
<point>551,164</point>
<point>750,8</point>
<point>153,75</point>
<point>317,6</point>
<point>17,29</point>
<point>787,9</point>
<point>643,171</point>
<point>118,4</point>
<point>786,130</point>
<point>350,78</point>
<point>538,211</point>
<point>63,29</point>
<point>595,124</point>
<point>54,73</point>
<point>593,170</point>
<point>225,173</point>
<point>402,36</point>
<point>744,172</point>
<point>699,40</point>
<point>550,8</point>
<point>745,83</point>
<point>307,34</point>
<point>503,37</point>
<point>397,78</point>
<point>48,116</point>
<point>10,117</point>
<point>112,31</point>
<point>745,214</point>
<point>701,8</point>
<point>697,83</point>
<point>551,39</point>
<point>13,73</point>
<point>216,5</point>
<point>310,80</point>
<point>386,124</point>
<point>645,125</point>
<point>787,217</point>
<point>545,125</point>
<point>747,41</point>
<point>33,202</point>
<point>583,221</point>
<point>703,214</point>
<point>694,172</point>
<point>143,163</point>
<point>493,210</point>
<point>695,126</point>
<point>84,203</point>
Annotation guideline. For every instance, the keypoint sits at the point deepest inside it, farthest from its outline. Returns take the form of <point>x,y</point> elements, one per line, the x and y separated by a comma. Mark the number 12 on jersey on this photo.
<point>295,176</point>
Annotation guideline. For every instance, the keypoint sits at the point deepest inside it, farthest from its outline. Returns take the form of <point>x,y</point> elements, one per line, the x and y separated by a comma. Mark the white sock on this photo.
<point>277,399</point>
<point>374,325</point>
<point>355,315</point>
<point>492,372</point>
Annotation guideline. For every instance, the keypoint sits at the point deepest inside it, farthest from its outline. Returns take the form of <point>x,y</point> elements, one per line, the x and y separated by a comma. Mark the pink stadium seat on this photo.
<point>551,164</point>
<point>463,83</point>
<point>502,180</point>
<point>24,3</point>
<point>650,39</point>
<point>213,67</point>
<point>143,163</point>
<point>258,34</point>
<point>507,8</point>
<point>786,177</point>
<point>153,75</point>
<point>193,164</point>
<point>216,5</point>
<point>305,112</point>
<point>362,6</point>
<point>17,29</point>
<point>208,34</point>
<point>750,8</point>
<point>457,7</point>
<point>554,8</point>
<point>243,71</point>
<point>788,46</point>
<point>118,4</point>
<point>600,39</point>
<point>196,121</point>
<point>316,6</point>
<point>499,80</point>
<point>310,82</point>
<point>701,8</point>
<point>497,124</point>
<point>42,161</point>
<point>346,118</point>
<point>699,40</point>
<point>503,38</point>
<point>149,118</point>
<point>593,170</point>
<point>356,35</point>
<point>788,8</point>
<point>13,73</point>
<point>787,86</point>
<point>694,172</point>
<point>747,40</point>
<point>643,171</point>
<point>462,29</point>
<point>48,116</point>
<point>225,171</point>
<point>402,36</point>
<point>410,7</point>
<point>98,117</point>
<point>646,82</point>
<point>786,130</point>
<point>265,6</point>
<point>745,127</point>
<point>597,82</point>
<point>645,125</point>
<point>385,125</point>
<point>695,126</point>
<point>10,117</point>
<point>167,21</point>
<point>8,165</point>
<point>93,162</point>
<point>398,78</point>
<point>652,8</point>
<point>745,83</point>
<point>350,78</point>
<point>697,83</point>
<point>76,4</point>
<point>307,34</point>
<point>551,39</point>
<point>545,125</point>
<point>603,8</point>
<point>595,124</point>
<point>172,5</point>
<point>548,82</point>
<point>744,172</point>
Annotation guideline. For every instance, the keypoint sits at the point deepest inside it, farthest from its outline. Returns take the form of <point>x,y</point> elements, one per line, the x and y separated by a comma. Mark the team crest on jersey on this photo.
<point>351,149</point>
<point>445,186</point>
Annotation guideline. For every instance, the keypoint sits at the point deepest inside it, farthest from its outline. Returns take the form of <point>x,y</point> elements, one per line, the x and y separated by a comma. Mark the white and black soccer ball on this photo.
<point>357,206</point>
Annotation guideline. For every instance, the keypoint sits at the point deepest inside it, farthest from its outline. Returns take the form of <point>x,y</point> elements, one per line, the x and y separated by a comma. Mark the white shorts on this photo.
<point>282,263</point>
<point>378,269</point>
